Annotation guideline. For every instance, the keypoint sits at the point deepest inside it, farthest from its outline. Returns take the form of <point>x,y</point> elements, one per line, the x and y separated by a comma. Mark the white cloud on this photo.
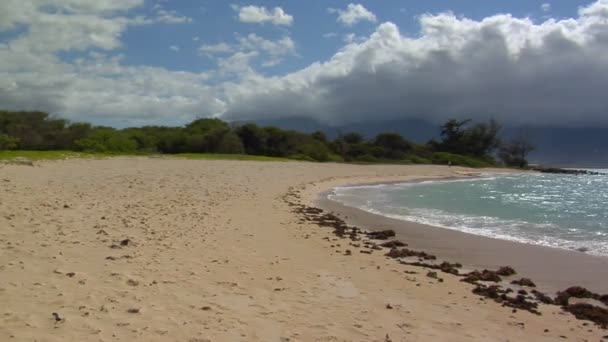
<point>546,7</point>
<point>174,48</point>
<point>278,48</point>
<point>259,15</point>
<point>513,69</point>
<point>353,38</point>
<point>353,14</point>
<point>213,49</point>
<point>63,25</point>
<point>329,35</point>
<point>274,50</point>
<point>94,85</point>
<point>238,64</point>
<point>171,17</point>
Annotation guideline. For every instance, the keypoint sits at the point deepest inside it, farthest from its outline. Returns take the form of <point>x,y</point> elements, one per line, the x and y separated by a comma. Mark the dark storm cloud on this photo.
<point>511,69</point>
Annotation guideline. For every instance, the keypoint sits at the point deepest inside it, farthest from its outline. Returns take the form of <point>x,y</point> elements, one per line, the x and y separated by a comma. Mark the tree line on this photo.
<point>461,142</point>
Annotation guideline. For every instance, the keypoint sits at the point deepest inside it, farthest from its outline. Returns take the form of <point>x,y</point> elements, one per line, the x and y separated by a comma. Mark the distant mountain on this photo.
<point>556,146</point>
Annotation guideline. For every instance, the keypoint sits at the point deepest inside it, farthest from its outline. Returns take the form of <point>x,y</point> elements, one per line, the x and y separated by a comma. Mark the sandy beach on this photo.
<point>159,249</point>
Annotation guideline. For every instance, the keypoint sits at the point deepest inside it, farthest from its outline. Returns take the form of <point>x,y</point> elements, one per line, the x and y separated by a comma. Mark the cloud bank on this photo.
<point>511,69</point>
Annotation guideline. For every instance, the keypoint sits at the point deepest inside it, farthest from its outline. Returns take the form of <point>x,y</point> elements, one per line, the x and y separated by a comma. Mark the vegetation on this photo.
<point>515,152</point>
<point>461,142</point>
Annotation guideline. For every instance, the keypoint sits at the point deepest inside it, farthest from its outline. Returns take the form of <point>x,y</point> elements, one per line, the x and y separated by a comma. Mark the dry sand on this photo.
<point>215,254</point>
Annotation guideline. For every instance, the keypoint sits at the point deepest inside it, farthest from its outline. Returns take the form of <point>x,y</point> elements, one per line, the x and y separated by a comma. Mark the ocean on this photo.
<point>562,211</point>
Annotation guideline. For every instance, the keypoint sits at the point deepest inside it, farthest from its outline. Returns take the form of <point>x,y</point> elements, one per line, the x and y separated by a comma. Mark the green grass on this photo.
<point>214,156</point>
<point>60,155</point>
<point>46,155</point>
<point>438,157</point>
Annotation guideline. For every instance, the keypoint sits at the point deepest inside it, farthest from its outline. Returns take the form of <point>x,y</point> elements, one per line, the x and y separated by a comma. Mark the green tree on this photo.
<point>106,139</point>
<point>392,145</point>
<point>231,144</point>
<point>320,136</point>
<point>8,143</point>
<point>515,153</point>
<point>479,140</point>
<point>253,138</point>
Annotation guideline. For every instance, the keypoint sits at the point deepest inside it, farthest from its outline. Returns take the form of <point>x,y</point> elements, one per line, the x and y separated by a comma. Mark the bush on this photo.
<point>8,143</point>
<point>107,140</point>
<point>445,158</point>
<point>230,144</point>
<point>419,160</point>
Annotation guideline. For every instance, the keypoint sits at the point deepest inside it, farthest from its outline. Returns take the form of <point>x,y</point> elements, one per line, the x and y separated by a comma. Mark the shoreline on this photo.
<point>552,269</point>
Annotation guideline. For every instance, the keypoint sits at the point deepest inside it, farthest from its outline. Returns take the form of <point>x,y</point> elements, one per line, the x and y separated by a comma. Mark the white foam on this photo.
<point>548,194</point>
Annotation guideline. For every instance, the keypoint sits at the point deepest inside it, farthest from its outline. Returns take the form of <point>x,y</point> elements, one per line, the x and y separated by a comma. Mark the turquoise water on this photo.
<point>561,211</point>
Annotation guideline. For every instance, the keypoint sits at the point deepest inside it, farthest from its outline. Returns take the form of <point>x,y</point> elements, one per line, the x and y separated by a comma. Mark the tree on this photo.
<point>515,152</point>
<point>393,145</point>
<point>253,138</point>
<point>231,144</point>
<point>479,140</point>
<point>276,142</point>
<point>8,143</point>
<point>320,136</point>
<point>106,139</point>
<point>352,138</point>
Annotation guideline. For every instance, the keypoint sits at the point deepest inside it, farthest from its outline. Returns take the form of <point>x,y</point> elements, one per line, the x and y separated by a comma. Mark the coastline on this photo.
<point>149,249</point>
<point>552,269</point>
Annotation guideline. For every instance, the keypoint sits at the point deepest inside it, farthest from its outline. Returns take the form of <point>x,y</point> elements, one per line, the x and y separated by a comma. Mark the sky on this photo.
<point>148,62</point>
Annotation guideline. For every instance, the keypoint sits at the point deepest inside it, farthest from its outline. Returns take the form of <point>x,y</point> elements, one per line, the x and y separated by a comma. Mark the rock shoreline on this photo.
<point>369,241</point>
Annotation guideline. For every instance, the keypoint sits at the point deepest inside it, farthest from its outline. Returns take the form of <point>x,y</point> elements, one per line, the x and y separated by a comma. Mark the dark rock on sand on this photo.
<point>404,253</point>
<point>58,317</point>
<point>577,292</point>
<point>499,295</point>
<point>381,235</point>
<point>451,268</point>
<point>484,275</point>
<point>506,271</point>
<point>393,244</point>
<point>543,298</point>
<point>524,282</point>
<point>589,312</point>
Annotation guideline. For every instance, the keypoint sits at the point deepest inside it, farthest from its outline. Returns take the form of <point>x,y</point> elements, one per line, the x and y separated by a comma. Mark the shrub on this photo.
<point>445,158</point>
<point>8,143</point>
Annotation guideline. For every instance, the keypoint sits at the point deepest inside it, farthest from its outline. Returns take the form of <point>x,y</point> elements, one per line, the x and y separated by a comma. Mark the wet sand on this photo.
<point>552,269</point>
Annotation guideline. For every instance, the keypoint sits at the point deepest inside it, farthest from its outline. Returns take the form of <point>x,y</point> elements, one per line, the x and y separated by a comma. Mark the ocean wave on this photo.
<point>497,231</point>
<point>535,209</point>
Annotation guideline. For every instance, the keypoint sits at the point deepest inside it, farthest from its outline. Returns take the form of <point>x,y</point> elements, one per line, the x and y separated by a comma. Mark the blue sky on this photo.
<point>131,62</point>
<point>216,22</point>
